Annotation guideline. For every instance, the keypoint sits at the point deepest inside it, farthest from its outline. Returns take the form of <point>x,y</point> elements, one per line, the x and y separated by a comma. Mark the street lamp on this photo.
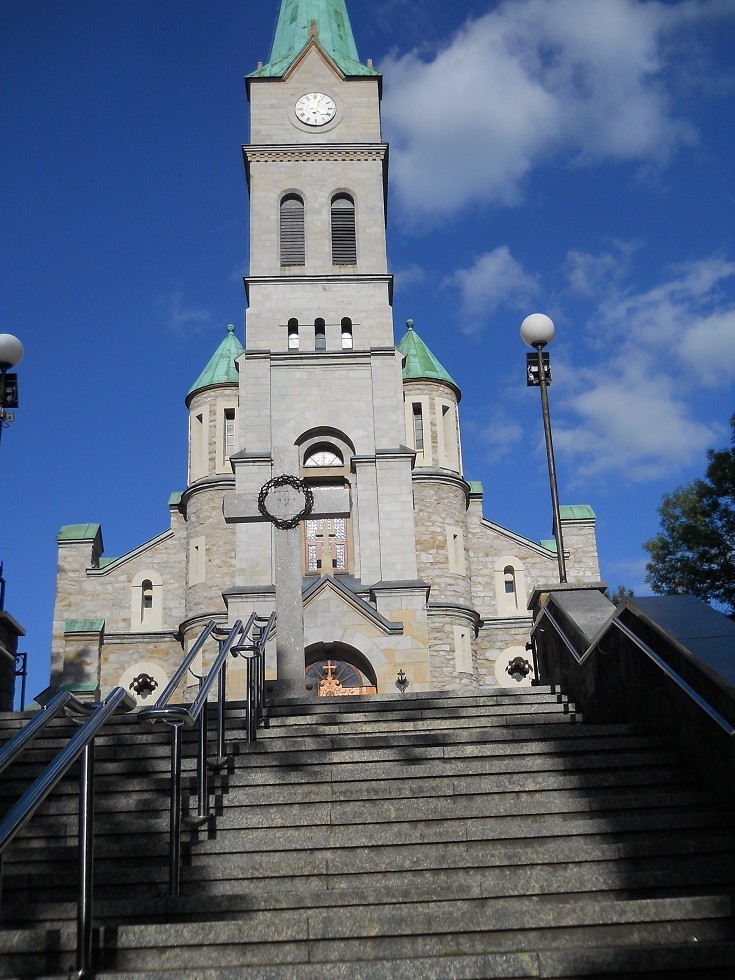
<point>537,331</point>
<point>11,353</point>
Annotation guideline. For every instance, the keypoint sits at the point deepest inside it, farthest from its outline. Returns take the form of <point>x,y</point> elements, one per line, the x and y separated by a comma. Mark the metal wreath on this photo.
<point>286,481</point>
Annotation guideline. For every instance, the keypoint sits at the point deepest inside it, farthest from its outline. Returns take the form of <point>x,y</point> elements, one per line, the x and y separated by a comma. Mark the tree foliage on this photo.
<point>694,552</point>
<point>622,592</point>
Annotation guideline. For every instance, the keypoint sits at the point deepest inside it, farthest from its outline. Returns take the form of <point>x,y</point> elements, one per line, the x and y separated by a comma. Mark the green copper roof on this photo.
<point>84,625</point>
<point>78,532</point>
<point>419,361</point>
<point>325,20</point>
<point>221,369</point>
<point>476,488</point>
<point>576,512</point>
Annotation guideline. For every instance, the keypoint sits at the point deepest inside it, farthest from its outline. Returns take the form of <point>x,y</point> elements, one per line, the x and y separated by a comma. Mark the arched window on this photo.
<point>344,243</point>
<point>146,600</point>
<point>346,333</point>
<point>323,456</point>
<point>510,586</point>
<point>293,334</point>
<point>293,249</point>
<point>320,334</point>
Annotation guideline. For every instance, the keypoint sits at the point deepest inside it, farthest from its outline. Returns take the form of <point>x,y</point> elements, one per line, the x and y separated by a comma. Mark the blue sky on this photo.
<point>568,157</point>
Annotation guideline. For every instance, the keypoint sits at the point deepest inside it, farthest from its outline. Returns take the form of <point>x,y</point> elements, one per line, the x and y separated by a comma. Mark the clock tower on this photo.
<point>320,378</point>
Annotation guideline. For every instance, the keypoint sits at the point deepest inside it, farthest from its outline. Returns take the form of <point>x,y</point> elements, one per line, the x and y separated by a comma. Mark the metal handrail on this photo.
<point>666,668</point>
<point>183,668</point>
<point>186,716</point>
<point>59,702</point>
<point>81,744</point>
<point>254,655</point>
<point>676,678</point>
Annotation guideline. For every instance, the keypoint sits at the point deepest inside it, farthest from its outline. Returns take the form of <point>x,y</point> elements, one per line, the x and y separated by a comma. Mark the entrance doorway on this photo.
<point>338,669</point>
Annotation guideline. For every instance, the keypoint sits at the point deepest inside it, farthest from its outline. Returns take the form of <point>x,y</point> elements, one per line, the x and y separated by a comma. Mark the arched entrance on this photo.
<point>339,669</point>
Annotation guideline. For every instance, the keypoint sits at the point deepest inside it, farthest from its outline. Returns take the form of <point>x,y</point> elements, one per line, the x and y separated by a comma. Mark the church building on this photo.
<point>409,576</point>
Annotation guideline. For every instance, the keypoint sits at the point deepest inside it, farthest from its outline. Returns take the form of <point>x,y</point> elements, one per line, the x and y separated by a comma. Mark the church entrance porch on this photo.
<point>337,669</point>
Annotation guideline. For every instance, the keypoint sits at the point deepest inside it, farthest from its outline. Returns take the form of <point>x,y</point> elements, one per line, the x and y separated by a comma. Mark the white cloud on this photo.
<point>530,80</point>
<point>634,408</point>
<point>595,275</point>
<point>500,435</point>
<point>183,318</point>
<point>708,347</point>
<point>632,423</point>
<point>496,278</point>
<point>410,275</point>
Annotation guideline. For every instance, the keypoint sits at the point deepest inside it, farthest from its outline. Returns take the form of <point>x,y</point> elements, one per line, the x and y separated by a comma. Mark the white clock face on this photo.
<point>315,109</point>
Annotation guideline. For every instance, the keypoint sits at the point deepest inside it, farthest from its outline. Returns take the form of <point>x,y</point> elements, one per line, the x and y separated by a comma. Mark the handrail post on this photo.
<point>202,788</point>
<point>260,690</point>
<point>174,845</point>
<point>221,698</point>
<point>86,860</point>
<point>251,719</point>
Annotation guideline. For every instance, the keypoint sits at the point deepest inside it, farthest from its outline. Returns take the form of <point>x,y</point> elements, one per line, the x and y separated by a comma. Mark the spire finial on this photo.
<point>230,328</point>
<point>313,29</point>
<point>409,324</point>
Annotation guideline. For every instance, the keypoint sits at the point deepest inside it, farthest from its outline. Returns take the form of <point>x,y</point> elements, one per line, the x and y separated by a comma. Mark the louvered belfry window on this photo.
<point>344,245</point>
<point>293,251</point>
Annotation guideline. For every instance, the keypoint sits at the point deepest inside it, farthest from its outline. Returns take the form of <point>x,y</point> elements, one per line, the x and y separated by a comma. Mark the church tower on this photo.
<point>401,572</point>
<point>320,378</point>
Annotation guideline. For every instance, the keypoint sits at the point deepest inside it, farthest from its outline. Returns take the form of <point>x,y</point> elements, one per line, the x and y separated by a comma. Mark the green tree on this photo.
<point>694,552</point>
<point>622,592</point>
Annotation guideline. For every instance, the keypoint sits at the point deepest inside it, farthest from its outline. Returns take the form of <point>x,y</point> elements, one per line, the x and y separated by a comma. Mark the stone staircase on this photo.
<point>426,836</point>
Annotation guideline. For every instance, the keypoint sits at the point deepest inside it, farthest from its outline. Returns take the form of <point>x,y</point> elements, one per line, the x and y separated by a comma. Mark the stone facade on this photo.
<point>424,583</point>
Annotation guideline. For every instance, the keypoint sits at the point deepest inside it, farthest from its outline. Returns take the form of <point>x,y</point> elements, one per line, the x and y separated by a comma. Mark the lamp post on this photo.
<point>537,331</point>
<point>11,353</point>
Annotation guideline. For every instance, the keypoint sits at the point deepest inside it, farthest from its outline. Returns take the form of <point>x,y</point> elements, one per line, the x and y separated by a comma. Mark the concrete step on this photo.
<point>397,719</point>
<point>713,961</point>
<point>374,823</point>
<point>641,869</point>
<point>408,934</point>
<point>486,831</point>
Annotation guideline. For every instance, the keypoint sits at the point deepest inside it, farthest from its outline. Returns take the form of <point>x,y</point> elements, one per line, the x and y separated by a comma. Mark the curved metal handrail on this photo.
<point>188,714</point>
<point>80,744</point>
<point>62,700</point>
<point>23,810</point>
<point>181,670</point>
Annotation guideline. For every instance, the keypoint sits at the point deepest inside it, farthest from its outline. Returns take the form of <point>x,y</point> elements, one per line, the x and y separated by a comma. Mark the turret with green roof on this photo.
<point>304,22</point>
<point>221,369</point>
<point>419,364</point>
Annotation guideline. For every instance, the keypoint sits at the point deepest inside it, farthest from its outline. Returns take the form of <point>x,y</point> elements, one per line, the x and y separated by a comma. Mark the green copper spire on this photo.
<point>324,20</point>
<point>221,368</point>
<point>419,362</point>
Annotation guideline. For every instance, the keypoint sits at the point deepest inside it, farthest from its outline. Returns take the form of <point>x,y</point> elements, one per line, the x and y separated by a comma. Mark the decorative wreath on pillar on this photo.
<point>286,523</point>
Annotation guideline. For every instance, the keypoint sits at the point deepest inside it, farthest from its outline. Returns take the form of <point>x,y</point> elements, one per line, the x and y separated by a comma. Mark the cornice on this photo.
<point>440,476</point>
<point>313,152</point>
<point>307,280</point>
<point>223,482</point>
